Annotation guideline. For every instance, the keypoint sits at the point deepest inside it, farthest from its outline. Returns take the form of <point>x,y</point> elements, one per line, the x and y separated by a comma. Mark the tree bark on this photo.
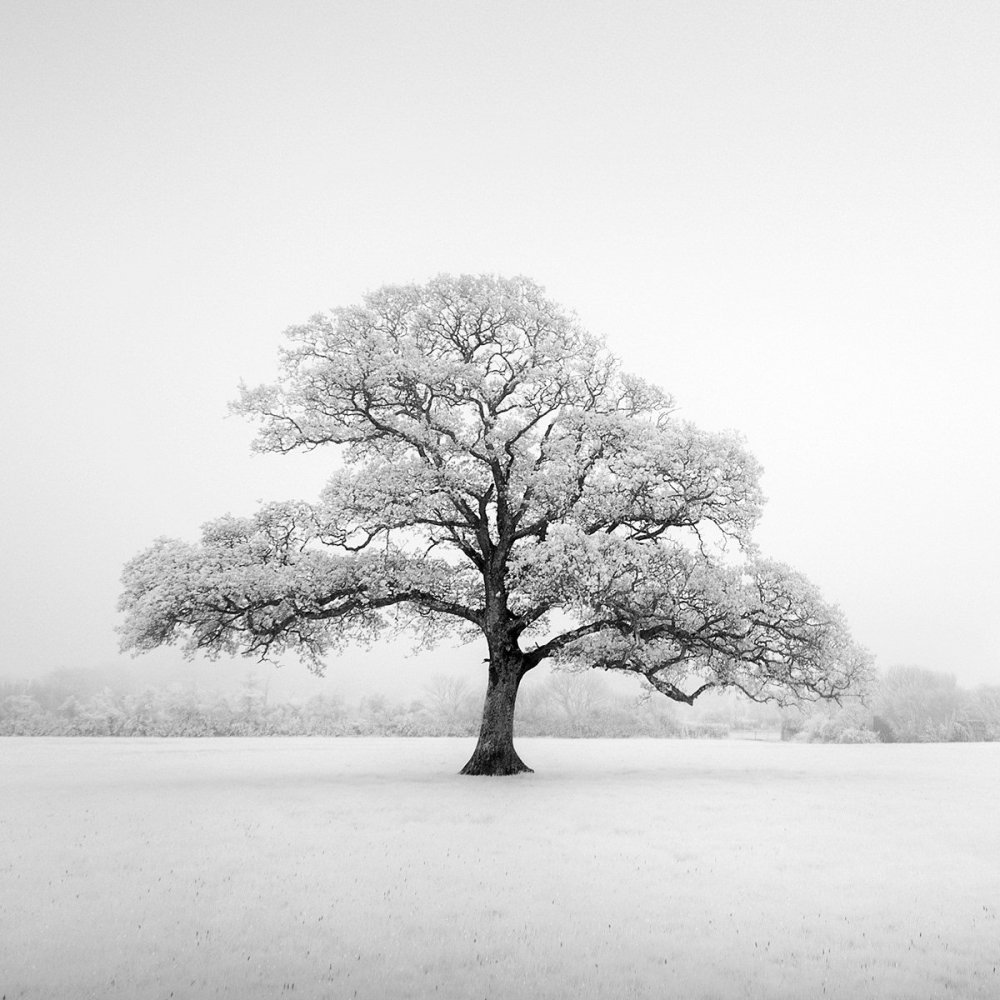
<point>495,753</point>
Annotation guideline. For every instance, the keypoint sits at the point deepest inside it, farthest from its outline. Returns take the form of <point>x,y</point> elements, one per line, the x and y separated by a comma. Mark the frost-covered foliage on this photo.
<point>264,584</point>
<point>499,475</point>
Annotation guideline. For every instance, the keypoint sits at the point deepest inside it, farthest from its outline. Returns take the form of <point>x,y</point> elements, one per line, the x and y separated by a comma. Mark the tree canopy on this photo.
<point>499,475</point>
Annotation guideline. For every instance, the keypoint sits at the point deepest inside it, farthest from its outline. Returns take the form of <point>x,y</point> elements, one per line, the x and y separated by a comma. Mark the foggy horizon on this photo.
<point>785,216</point>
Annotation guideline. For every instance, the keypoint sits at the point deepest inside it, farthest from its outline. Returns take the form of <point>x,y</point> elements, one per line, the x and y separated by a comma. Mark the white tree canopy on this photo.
<point>498,474</point>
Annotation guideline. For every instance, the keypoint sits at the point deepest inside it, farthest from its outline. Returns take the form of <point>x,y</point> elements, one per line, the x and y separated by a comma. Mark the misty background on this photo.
<point>785,214</point>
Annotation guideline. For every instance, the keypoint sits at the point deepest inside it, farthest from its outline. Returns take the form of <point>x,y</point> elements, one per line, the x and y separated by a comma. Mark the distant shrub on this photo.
<point>705,730</point>
<point>790,728</point>
<point>884,728</point>
<point>858,736</point>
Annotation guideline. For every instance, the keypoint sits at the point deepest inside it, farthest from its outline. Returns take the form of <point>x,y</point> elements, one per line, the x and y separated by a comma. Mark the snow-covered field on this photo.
<point>332,868</point>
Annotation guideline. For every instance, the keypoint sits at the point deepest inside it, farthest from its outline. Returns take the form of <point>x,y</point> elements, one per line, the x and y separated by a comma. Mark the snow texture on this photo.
<point>367,867</point>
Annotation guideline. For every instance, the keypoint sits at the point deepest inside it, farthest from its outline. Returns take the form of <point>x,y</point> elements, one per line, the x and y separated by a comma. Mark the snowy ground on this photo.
<point>363,867</point>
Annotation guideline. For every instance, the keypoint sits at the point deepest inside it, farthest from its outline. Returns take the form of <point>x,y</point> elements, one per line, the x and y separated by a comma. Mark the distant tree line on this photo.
<point>909,704</point>
<point>89,703</point>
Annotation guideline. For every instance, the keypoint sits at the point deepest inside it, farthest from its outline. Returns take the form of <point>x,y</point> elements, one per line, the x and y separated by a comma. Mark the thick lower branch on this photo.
<point>675,693</point>
<point>547,649</point>
<point>420,597</point>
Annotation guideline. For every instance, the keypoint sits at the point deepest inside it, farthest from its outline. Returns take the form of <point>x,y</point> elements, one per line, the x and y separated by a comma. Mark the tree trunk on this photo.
<point>495,753</point>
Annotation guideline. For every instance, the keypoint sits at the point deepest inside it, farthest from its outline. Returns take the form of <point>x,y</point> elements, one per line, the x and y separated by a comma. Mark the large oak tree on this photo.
<point>499,476</point>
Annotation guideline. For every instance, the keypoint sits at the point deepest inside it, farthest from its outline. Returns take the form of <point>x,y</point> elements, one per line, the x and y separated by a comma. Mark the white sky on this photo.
<point>787,214</point>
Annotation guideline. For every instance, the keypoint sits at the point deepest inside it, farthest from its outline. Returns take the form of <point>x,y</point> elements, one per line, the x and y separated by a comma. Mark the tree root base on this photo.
<point>492,766</point>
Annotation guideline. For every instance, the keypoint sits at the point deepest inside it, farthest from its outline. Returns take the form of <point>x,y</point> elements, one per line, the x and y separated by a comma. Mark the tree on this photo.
<point>450,703</point>
<point>501,477</point>
<point>576,697</point>
<point>919,705</point>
